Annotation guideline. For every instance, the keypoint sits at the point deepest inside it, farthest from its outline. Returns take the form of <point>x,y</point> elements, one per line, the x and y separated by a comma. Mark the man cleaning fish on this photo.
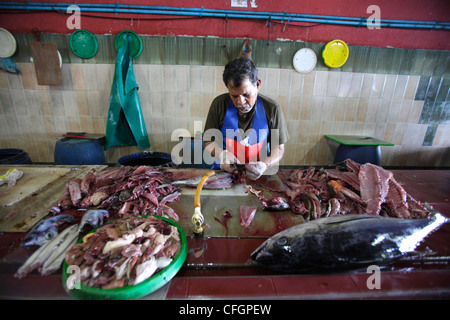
<point>243,111</point>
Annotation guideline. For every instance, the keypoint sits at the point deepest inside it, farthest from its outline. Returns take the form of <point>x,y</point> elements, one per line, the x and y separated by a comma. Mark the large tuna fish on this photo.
<point>344,241</point>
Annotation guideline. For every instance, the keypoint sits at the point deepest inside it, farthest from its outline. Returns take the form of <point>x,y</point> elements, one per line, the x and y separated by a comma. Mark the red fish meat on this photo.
<point>374,182</point>
<point>247,214</point>
<point>74,190</point>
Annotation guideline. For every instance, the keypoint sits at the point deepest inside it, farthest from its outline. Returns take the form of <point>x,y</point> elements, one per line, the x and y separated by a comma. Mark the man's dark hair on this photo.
<point>239,69</point>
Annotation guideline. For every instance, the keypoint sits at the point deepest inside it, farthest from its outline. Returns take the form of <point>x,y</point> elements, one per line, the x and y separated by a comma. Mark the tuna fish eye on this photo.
<point>49,236</point>
<point>282,241</point>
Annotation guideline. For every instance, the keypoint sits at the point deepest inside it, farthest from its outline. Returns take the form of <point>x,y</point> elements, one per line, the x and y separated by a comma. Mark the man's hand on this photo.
<point>255,169</point>
<point>227,161</point>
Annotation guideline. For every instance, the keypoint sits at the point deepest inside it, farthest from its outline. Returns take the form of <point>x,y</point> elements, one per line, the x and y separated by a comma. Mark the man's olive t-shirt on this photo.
<point>274,115</point>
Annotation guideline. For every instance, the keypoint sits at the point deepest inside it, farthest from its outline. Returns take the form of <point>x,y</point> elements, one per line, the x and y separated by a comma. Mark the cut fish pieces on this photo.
<point>374,182</point>
<point>247,213</point>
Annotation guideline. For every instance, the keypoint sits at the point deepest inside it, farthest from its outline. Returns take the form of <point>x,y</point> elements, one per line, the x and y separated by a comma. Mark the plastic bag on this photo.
<point>125,125</point>
<point>11,176</point>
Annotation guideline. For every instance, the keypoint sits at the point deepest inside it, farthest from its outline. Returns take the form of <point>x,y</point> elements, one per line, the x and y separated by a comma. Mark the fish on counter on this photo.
<point>145,194</point>
<point>53,243</point>
<point>247,213</point>
<point>345,241</point>
<point>94,218</point>
<point>49,257</point>
<point>355,189</point>
<point>221,180</point>
<point>125,190</point>
<point>46,230</point>
<point>125,252</point>
<point>274,204</point>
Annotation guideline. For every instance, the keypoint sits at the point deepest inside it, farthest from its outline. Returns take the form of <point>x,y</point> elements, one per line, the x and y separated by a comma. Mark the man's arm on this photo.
<point>276,154</point>
<point>213,148</point>
<point>226,158</point>
<point>257,169</point>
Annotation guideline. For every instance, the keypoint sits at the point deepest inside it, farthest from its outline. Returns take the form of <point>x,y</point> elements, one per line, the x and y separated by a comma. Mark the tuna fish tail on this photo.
<point>409,243</point>
<point>434,214</point>
<point>439,217</point>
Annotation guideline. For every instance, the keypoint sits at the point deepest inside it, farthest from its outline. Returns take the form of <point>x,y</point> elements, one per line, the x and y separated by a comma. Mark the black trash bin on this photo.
<point>14,156</point>
<point>154,159</point>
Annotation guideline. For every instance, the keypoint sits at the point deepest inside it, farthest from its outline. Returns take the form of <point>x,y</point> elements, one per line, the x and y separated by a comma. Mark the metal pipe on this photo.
<point>284,15</point>
<point>206,10</point>
<point>219,13</point>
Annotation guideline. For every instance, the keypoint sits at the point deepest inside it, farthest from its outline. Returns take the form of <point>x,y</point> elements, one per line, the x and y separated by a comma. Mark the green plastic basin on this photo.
<point>142,289</point>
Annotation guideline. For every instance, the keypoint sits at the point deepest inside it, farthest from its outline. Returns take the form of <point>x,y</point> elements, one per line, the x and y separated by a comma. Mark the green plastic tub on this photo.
<point>142,289</point>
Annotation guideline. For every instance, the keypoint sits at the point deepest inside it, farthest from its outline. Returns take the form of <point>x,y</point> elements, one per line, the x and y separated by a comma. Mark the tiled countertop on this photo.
<point>220,268</point>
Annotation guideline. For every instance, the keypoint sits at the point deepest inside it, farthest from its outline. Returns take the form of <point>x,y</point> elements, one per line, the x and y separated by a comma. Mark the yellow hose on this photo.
<point>200,186</point>
<point>197,217</point>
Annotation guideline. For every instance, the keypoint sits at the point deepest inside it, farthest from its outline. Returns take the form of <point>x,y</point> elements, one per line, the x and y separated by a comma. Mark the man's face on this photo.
<point>244,97</point>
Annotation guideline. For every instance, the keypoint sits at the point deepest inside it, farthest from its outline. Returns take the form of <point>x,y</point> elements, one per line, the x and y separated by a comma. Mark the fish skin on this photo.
<point>94,218</point>
<point>45,230</point>
<point>66,241</point>
<point>220,180</point>
<point>276,204</point>
<point>50,255</point>
<point>145,270</point>
<point>344,242</point>
<point>247,213</point>
<point>35,260</point>
<point>374,184</point>
<point>74,189</point>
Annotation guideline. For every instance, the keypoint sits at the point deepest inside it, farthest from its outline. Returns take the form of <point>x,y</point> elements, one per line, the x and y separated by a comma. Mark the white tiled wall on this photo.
<point>33,117</point>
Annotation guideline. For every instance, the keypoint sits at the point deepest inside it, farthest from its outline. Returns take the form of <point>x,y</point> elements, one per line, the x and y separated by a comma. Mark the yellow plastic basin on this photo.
<point>335,53</point>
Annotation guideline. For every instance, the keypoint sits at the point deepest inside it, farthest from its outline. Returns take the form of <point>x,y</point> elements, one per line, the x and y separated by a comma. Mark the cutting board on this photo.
<point>25,213</point>
<point>46,63</point>
<point>33,180</point>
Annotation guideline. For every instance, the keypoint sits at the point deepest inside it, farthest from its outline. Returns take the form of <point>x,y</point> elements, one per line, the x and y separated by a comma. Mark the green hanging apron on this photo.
<point>125,124</point>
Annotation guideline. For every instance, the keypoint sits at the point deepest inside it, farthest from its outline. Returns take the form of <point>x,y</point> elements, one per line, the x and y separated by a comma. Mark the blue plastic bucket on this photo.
<point>14,156</point>
<point>198,147</point>
<point>72,151</point>
<point>360,154</point>
<point>154,159</point>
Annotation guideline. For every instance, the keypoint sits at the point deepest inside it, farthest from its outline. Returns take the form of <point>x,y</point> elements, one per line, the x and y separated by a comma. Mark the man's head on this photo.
<point>241,78</point>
